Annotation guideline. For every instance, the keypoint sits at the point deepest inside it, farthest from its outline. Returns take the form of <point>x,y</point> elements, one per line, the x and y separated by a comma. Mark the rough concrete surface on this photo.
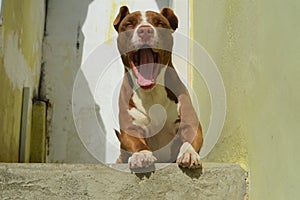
<point>62,181</point>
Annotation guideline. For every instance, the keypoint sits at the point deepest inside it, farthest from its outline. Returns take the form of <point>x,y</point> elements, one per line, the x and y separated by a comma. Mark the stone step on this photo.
<point>84,181</point>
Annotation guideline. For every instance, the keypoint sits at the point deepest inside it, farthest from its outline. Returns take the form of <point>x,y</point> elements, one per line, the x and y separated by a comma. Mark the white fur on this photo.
<point>161,111</point>
<point>144,18</point>
<point>140,118</point>
<point>188,156</point>
<point>141,159</point>
<point>178,108</point>
<point>138,102</point>
<point>135,37</point>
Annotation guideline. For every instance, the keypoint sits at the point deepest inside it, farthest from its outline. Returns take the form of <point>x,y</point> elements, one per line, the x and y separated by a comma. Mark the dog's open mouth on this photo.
<point>145,64</point>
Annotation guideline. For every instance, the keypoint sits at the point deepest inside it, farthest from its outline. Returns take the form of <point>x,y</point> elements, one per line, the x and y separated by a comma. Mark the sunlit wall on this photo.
<point>256,47</point>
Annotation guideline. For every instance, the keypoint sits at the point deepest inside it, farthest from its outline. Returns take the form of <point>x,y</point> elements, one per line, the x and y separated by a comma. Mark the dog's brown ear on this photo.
<point>171,17</point>
<point>124,11</point>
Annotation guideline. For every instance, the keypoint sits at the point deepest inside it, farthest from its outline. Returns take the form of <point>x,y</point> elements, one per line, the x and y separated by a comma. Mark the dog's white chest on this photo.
<point>154,111</point>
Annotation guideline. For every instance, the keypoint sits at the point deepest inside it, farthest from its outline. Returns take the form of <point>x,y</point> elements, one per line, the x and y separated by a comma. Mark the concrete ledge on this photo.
<point>66,181</point>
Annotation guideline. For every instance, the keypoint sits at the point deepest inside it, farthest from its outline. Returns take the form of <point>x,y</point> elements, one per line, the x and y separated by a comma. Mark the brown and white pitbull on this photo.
<point>156,116</point>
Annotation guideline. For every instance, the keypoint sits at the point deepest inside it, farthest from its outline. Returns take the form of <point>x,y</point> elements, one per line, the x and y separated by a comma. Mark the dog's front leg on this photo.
<point>191,134</point>
<point>134,149</point>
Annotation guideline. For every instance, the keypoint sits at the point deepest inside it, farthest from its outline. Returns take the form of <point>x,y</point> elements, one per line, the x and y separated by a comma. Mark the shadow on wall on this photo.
<point>63,47</point>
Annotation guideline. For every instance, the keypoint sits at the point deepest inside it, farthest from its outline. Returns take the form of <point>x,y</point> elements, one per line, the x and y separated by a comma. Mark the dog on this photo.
<point>157,120</point>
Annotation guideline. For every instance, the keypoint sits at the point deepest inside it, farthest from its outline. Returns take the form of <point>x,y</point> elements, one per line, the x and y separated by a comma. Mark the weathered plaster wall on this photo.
<point>225,29</point>
<point>63,46</point>
<point>20,62</point>
<point>256,47</point>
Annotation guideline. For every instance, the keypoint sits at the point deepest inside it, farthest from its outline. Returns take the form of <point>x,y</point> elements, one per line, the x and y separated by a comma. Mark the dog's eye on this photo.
<point>129,24</point>
<point>160,23</point>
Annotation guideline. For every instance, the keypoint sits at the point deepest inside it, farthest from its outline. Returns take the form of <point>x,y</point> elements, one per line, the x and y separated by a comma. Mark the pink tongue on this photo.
<point>146,68</point>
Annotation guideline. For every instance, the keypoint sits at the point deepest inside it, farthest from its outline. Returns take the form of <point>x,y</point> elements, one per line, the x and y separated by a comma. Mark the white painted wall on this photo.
<point>62,57</point>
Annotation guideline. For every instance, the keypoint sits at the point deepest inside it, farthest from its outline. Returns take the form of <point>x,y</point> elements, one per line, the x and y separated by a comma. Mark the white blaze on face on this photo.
<point>144,22</point>
<point>144,18</point>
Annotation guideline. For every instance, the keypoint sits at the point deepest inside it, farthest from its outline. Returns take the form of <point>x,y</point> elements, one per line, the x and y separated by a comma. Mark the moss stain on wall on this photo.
<point>22,33</point>
<point>10,119</point>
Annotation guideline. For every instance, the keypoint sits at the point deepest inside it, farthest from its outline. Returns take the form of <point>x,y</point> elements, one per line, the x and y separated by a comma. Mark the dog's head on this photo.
<point>145,42</point>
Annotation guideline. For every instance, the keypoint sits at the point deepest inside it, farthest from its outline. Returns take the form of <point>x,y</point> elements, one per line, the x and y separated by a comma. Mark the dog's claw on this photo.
<point>141,159</point>
<point>188,157</point>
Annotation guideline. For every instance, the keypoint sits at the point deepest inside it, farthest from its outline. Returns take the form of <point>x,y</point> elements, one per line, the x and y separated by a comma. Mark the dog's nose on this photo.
<point>145,32</point>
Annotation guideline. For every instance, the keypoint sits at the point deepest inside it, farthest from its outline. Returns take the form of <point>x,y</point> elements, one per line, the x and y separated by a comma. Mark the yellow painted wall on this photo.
<point>256,47</point>
<point>20,61</point>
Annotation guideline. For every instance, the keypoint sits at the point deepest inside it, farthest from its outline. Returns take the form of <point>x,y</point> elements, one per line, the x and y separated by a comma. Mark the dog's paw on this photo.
<point>141,159</point>
<point>188,157</point>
